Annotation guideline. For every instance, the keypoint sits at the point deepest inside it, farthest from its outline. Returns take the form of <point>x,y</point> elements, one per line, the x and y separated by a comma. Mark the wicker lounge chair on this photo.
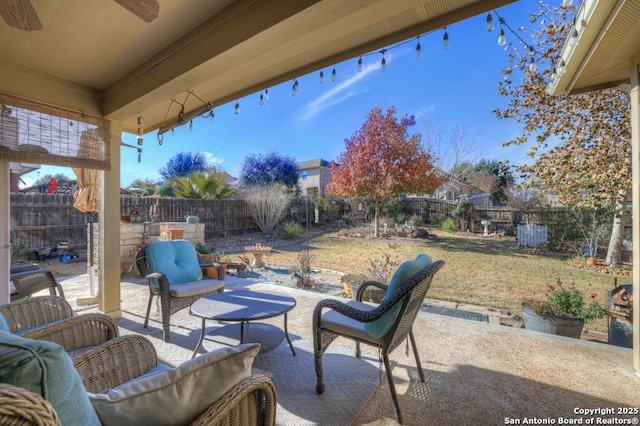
<point>51,318</point>
<point>123,361</point>
<point>167,280</point>
<point>350,320</point>
<point>30,279</point>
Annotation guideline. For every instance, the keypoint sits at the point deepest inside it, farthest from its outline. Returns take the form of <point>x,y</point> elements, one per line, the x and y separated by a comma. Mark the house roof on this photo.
<point>312,164</point>
<point>97,57</point>
<point>607,42</point>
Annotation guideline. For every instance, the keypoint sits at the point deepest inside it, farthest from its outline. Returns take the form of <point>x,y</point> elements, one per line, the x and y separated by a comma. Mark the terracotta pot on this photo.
<point>176,234</point>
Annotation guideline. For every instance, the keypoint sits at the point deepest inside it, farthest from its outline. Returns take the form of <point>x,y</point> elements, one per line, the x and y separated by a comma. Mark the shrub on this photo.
<point>290,230</point>
<point>420,233</point>
<point>448,225</point>
<point>417,220</point>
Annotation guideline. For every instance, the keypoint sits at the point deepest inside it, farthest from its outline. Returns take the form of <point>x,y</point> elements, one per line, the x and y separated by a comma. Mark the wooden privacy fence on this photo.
<point>42,220</point>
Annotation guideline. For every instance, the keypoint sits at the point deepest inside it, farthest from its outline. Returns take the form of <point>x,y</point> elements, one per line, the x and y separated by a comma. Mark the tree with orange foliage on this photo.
<point>381,161</point>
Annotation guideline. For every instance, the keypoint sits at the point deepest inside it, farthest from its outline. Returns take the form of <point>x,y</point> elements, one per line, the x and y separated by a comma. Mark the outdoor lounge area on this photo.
<point>476,373</point>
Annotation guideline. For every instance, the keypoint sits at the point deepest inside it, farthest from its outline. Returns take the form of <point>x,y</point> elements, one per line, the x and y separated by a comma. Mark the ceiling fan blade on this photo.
<point>20,14</point>
<point>147,10</point>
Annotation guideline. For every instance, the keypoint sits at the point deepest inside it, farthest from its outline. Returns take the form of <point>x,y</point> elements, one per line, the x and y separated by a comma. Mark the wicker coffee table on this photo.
<point>243,308</point>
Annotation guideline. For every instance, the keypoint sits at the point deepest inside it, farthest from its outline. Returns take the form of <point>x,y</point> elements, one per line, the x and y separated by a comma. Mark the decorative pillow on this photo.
<point>45,368</point>
<point>179,395</point>
<point>177,260</point>
<point>380,327</point>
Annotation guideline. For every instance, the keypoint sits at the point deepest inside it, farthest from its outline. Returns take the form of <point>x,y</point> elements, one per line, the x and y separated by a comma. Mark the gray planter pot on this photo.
<point>568,327</point>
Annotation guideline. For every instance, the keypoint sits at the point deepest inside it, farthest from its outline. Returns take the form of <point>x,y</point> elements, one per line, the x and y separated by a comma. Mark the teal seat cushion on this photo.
<point>46,369</point>
<point>380,327</point>
<point>177,260</point>
<point>3,324</point>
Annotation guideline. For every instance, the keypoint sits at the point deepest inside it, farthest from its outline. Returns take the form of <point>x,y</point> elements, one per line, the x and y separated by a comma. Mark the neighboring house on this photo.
<point>313,176</point>
<point>17,170</point>
<point>453,189</point>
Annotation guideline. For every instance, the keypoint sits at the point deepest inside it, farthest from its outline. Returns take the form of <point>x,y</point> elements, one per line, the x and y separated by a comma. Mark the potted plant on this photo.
<point>207,250</point>
<point>564,312</point>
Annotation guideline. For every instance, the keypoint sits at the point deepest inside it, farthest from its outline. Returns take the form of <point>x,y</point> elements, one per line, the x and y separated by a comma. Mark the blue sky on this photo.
<point>442,89</point>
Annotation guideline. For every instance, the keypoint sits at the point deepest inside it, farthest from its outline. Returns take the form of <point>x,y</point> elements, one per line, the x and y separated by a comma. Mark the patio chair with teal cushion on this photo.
<point>51,318</point>
<point>122,383</point>
<point>174,274</point>
<point>384,326</point>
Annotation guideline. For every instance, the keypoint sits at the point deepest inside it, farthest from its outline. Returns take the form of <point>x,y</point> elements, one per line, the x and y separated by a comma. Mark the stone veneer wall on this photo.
<point>134,235</point>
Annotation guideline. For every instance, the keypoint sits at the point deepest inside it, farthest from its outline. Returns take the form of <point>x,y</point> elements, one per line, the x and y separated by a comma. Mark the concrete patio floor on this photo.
<point>477,373</point>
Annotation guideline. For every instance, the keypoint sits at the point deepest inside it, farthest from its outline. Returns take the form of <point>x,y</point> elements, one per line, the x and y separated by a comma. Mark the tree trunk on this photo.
<point>614,252</point>
<point>375,219</point>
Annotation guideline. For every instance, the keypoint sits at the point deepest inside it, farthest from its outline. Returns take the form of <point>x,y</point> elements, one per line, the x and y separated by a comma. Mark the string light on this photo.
<point>502,39</point>
<point>573,40</point>
<point>261,99</point>
<point>321,77</point>
<point>333,74</point>
<point>418,49</point>
<point>360,64</point>
<point>533,67</point>
<point>445,39</point>
<point>236,108</point>
<point>383,63</point>
<point>294,88</point>
<point>139,137</point>
<point>191,125</point>
<point>490,26</point>
<point>266,94</point>
<point>567,3</point>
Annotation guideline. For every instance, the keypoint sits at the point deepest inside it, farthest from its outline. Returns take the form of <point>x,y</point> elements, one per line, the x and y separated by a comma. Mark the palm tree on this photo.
<point>199,185</point>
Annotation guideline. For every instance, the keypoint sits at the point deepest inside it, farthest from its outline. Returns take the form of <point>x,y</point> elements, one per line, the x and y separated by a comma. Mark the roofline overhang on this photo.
<point>594,18</point>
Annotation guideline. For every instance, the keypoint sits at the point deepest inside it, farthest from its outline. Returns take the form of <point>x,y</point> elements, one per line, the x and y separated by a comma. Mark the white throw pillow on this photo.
<point>179,395</point>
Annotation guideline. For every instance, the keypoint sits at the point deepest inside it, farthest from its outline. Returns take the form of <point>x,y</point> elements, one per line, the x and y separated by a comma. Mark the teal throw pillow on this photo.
<point>176,259</point>
<point>380,327</point>
<point>46,369</point>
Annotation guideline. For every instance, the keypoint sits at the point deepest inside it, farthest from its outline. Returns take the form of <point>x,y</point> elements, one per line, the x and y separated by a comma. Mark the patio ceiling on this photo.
<point>100,58</point>
<point>608,35</point>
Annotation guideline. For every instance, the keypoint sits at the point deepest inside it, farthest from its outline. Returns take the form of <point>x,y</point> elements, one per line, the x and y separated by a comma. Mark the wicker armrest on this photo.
<point>33,281</point>
<point>250,402</point>
<point>161,279</point>
<point>115,362</point>
<point>35,312</point>
<point>366,284</point>
<point>86,330</point>
<point>19,406</point>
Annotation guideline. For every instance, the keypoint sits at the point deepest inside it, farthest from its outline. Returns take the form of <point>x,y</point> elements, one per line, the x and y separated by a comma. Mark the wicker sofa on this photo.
<point>121,382</point>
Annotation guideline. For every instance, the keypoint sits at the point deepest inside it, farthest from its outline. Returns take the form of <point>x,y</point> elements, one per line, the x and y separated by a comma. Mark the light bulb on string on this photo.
<point>562,67</point>
<point>533,67</point>
<point>294,88</point>
<point>266,94</point>
<point>554,75</point>
<point>236,108</point>
<point>490,26</point>
<point>502,39</point>
<point>212,116</point>
<point>383,63</point>
<point>261,99</point>
<point>321,77</point>
<point>445,39</point>
<point>574,37</point>
<point>360,64</point>
<point>567,3</point>
<point>191,125</point>
<point>333,74</point>
<point>418,49</point>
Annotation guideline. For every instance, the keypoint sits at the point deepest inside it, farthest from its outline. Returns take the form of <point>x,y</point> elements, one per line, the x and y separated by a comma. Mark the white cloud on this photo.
<point>424,111</point>
<point>338,94</point>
